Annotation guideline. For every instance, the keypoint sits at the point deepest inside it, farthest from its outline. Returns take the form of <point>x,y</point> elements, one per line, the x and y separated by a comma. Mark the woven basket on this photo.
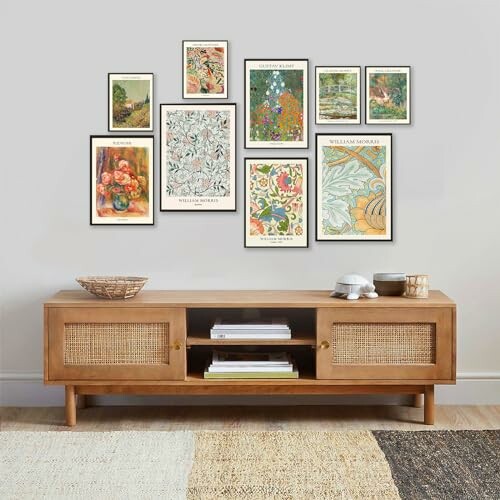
<point>113,287</point>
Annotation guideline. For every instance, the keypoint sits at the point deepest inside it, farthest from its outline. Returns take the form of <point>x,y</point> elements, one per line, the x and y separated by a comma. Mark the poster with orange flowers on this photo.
<point>204,69</point>
<point>354,187</point>
<point>276,112</point>
<point>121,180</point>
<point>276,202</point>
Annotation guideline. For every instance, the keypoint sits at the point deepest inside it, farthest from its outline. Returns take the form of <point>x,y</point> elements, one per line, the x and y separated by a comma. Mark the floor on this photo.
<point>250,418</point>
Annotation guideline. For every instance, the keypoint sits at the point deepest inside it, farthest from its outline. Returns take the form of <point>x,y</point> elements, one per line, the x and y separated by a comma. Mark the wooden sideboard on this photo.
<point>159,343</point>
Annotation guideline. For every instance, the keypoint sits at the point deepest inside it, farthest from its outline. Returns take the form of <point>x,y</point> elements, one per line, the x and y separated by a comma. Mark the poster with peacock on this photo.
<point>276,112</point>
<point>354,187</point>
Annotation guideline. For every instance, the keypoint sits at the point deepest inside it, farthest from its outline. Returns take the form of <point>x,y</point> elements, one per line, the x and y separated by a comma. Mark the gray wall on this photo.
<point>56,56</point>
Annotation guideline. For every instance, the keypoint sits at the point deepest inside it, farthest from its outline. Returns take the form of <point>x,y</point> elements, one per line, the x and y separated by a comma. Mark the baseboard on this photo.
<point>27,389</point>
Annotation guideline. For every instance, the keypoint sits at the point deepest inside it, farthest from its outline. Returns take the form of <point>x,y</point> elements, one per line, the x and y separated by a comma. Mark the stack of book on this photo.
<point>248,365</point>
<point>276,328</point>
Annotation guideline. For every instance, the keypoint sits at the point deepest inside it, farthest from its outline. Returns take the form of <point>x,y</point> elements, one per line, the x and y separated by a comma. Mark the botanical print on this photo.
<point>130,102</point>
<point>205,69</point>
<point>198,157</point>
<point>354,187</point>
<point>121,175</point>
<point>337,95</point>
<point>276,202</point>
<point>388,95</point>
<point>276,104</point>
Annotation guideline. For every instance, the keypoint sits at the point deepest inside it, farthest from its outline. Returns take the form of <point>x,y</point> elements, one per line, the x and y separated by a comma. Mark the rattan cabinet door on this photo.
<point>373,344</point>
<point>128,343</point>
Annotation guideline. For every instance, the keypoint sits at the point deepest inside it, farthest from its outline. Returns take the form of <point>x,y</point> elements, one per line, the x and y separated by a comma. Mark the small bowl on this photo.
<point>113,287</point>
<point>390,284</point>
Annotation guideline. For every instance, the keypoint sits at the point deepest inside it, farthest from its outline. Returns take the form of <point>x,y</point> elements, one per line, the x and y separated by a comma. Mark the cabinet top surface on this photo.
<point>241,298</point>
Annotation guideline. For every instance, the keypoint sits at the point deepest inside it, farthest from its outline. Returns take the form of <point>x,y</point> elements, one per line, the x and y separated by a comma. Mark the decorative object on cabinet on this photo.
<point>276,103</point>
<point>387,95</point>
<point>198,157</point>
<point>338,95</point>
<point>276,202</point>
<point>353,286</point>
<point>159,343</point>
<point>113,287</point>
<point>353,187</point>
<point>417,286</point>
<point>204,69</point>
<point>121,180</point>
<point>389,284</point>
<point>130,101</point>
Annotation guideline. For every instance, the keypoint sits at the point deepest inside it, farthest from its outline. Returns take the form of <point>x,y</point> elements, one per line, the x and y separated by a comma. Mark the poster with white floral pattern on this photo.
<point>198,157</point>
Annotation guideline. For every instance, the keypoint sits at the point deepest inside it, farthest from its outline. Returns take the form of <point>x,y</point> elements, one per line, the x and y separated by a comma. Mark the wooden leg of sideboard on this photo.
<point>429,405</point>
<point>418,400</point>
<point>81,401</point>
<point>70,405</point>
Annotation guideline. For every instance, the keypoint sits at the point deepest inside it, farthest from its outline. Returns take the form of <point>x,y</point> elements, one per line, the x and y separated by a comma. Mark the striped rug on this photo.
<point>250,465</point>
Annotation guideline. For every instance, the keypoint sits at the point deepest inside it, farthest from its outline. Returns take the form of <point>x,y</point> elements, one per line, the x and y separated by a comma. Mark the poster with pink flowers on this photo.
<point>121,180</point>
<point>204,69</point>
<point>276,205</point>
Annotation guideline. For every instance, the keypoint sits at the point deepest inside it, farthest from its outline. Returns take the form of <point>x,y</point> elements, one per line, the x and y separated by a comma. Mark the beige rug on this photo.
<point>250,465</point>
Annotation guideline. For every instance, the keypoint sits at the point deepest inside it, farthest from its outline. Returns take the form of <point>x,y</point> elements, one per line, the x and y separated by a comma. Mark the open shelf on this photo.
<point>297,339</point>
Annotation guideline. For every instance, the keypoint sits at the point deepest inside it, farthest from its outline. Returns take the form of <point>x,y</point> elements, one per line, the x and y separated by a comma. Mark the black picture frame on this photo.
<point>306,205</point>
<point>306,121</point>
<point>367,99</point>
<point>110,105</point>
<point>316,189</point>
<point>226,71</point>
<point>162,173</point>
<point>316,96</point>
<point>93,180</point>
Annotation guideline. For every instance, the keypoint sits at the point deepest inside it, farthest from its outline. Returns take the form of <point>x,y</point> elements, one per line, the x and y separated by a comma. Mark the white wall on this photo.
<point>55,60</point>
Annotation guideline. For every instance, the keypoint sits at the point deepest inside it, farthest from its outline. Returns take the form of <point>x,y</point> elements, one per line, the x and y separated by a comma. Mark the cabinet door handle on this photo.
<point>324,345</point>
<point>176,346</point>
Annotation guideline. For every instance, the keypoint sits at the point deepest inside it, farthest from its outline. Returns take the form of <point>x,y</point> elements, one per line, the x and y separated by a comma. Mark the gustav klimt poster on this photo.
<point>276,202</point>
<point>353,187</point>
<point>276,113</point>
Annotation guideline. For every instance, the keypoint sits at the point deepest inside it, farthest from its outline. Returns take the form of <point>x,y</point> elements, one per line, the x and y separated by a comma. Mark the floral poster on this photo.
<point>198,156</point>
<point>130,103</point>
<point>338,95</point>
<point>388,95</point>
<point>276,114</point>
<point>122,178</point>
<point>205,69</point>
<point>354,200</point>
<point>276,202</point>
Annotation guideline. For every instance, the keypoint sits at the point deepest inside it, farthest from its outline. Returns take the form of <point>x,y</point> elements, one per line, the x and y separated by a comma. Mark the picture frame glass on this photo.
<point>276,103</point>
<point>205,67</point>
<point>338,92</point>
<point>121,180</point>
<point>198,157</point>
<point>276,203</point>
<point>130,102</point>
<point>388,95</point>
<point>354,187</point>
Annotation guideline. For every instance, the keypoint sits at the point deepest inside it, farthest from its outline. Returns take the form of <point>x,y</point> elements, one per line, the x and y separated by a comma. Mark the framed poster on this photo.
<point>338,95</point>
<point>276,203</point>
<point>121,179</point>
<point>276,97</point>
<point>204,69</point>
<point>387,95</point>
<point>354,187</point>
<point>130,101</point>
<point>198,157</point>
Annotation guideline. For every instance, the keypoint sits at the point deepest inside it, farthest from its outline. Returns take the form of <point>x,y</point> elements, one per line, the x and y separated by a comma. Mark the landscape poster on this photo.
<point>353,185</point>
<point>130,102</point>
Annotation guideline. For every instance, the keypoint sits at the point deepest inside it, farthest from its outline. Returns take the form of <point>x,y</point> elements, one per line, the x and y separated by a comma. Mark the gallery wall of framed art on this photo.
<point>198,167</point>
